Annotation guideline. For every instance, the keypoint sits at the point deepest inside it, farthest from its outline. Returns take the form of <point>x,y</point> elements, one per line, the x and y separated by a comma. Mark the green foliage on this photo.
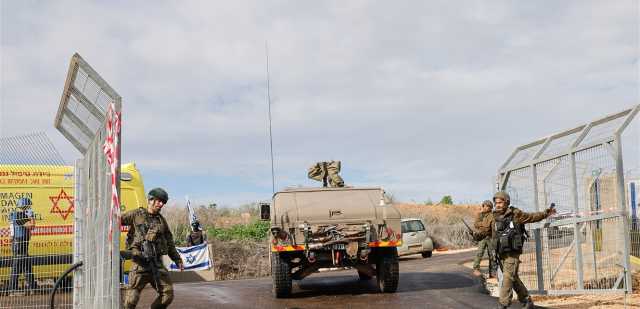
<point>180,232</point>
<point>253,231</point>
<point>446,200</point>
<point>428,202</point>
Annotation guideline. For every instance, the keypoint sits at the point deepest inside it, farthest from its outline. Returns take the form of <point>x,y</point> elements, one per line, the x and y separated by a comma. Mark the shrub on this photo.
<point>446,200</point>
<point>444,223</point>
<point>240,259</point>
<point>180,233</point>
<point>254,231</point>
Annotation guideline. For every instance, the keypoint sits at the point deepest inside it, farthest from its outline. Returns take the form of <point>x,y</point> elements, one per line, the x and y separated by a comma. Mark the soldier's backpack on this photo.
<point>510,235</point>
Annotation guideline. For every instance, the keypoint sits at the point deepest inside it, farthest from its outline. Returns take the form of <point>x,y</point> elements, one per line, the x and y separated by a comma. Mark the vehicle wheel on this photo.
<point>426,254</point>
<point>364,276</point>
<point>388,271</point>
<point>281,276</point>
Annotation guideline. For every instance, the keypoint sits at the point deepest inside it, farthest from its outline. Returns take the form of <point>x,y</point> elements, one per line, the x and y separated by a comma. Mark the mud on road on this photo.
<point>437,282</point>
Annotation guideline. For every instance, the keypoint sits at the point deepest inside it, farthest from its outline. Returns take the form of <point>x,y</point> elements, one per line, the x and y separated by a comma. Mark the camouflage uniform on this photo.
<point>483,222</point>
<point>196,238</point>
<point>510,262</point>
<point>328,173</point>
<point>158,232</point>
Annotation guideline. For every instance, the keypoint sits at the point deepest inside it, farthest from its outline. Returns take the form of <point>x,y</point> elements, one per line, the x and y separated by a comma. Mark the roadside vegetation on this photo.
<point>237,237</point>
<point>239,243</point>
<point>443,222</point>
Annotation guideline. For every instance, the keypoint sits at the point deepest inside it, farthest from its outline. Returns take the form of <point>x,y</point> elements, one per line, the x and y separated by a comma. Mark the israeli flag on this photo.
<point>192,214</point>
<point>194,258</point>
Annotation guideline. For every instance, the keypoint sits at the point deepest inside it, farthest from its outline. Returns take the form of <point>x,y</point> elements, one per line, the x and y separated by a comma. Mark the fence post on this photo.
<point>78,220</point>
<point>536,232</point>
<point>624,212</point>
<point>576,228</point>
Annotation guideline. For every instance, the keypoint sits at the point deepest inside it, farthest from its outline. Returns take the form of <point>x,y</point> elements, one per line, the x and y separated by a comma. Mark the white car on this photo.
<point>414,238</point>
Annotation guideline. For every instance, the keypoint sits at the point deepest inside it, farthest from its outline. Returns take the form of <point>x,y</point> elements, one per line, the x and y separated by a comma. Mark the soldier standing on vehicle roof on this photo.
<point>22,222</point>
<point>483,220</point>
<point>509,234</point>
<point>159,234</point>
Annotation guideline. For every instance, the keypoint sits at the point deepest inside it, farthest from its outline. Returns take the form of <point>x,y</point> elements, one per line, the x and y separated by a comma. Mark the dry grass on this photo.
<point>444,222</point>
<point>240,259</point>
<point>237,259</point>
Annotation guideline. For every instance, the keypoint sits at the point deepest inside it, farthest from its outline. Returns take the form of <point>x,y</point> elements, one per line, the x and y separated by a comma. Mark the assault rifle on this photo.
<point>149,255</point>
<point>491,253</point>
<point>471,232</point>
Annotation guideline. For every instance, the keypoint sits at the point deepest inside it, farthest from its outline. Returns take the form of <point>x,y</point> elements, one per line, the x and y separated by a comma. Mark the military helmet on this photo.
<point>503,196</point>
<point>24,202</point>
<point>159,194</point>
<point>195,225</point>
<point>487,203</point>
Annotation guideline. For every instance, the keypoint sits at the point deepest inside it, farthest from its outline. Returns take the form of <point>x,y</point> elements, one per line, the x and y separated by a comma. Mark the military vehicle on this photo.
<point>314,229</point>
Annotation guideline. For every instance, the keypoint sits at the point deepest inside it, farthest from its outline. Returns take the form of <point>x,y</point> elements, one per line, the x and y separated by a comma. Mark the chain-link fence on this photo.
<point>89,117</point>
<point>36,226</point>
<point>586,247</point>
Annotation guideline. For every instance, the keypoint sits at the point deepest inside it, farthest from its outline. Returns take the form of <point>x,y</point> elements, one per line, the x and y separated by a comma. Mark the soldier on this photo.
<point>483,221</point>
<point>509,234</point>
<point>196,237</point>
<point>159,238</point>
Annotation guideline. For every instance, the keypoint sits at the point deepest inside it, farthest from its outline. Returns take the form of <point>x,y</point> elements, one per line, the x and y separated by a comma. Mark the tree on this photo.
<point>446,200</point>
<point>428,202</point>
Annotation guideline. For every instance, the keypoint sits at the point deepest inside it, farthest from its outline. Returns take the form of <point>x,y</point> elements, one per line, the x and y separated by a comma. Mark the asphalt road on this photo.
<point>437,282</point>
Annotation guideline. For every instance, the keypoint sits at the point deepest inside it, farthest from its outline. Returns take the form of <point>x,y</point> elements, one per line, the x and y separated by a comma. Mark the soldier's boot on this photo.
<point>501,306</point>
<point>528,304</point>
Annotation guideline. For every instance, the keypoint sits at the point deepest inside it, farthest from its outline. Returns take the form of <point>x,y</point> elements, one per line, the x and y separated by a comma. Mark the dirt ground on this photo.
<point>588,301</point>
<point>598,301</point>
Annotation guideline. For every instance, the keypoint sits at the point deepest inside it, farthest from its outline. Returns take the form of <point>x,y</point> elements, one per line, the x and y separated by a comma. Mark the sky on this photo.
<point>423,98</point>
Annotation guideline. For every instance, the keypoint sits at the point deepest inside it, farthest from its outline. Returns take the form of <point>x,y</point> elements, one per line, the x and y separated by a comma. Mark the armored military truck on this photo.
<point>315,229</point>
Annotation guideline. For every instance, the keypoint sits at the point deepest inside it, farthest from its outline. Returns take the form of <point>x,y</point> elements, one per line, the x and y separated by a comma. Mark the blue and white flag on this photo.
<point>194,258</point>
<point>192,214</point>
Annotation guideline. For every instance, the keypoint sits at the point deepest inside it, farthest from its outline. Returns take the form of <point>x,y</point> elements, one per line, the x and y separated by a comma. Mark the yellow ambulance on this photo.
<point>51,190</point>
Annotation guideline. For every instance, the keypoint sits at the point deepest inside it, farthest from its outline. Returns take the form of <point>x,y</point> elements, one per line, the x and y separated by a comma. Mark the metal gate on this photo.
<point>584,248</point>
<point>36,202</point>
<point>89,117</point>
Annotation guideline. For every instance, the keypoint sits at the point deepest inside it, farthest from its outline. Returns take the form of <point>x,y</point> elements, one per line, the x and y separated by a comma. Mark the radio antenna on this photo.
<point>273,177</point>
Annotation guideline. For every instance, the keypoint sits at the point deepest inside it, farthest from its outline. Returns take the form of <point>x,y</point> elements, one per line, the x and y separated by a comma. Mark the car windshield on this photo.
<point>412,226</point>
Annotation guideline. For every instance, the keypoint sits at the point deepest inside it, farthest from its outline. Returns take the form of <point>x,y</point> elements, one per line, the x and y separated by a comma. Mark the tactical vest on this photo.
<point>510,235</point>
<point>155,226</point>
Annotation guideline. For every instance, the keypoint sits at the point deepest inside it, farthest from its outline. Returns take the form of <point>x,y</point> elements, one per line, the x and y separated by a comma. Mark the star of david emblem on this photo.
<point>56,209</point>
<point>191,258</point>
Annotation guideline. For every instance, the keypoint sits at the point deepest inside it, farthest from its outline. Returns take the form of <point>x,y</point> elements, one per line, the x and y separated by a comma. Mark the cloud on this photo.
<point>424,98</point>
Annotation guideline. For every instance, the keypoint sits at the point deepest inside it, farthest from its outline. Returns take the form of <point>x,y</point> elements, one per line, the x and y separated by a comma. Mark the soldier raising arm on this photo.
<point>508,233</point>
<point>149,238</point>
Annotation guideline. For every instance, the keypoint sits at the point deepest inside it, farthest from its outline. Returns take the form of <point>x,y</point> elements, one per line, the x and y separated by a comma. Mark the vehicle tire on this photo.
<point>426,254</point>
<point>281,276</point>
<point>388,271</point>
<point>364,276</point>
